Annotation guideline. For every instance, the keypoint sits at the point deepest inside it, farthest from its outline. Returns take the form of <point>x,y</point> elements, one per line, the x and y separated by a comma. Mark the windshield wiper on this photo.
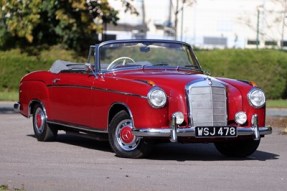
<point>161,64</point>
<point>191,66</point>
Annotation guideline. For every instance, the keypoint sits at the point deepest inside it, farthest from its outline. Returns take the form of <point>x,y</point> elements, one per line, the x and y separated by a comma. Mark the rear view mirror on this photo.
<point>144,49</point>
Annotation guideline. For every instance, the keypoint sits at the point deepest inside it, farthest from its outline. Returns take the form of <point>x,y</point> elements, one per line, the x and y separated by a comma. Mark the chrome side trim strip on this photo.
<point>68,86</point>
<point>119,92</point>
<point>97,89</point>
<point>80,128</point>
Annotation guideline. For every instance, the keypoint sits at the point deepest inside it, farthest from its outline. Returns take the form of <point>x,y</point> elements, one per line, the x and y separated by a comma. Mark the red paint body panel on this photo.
<point>85,100</point>
<point>243,89</point>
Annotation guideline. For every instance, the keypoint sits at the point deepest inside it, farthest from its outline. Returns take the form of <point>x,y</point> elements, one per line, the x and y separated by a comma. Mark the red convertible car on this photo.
<point>139,92</point>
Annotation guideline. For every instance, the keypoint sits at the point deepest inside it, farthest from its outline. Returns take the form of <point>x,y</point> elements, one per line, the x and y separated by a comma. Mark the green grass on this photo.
<point>277,103</point>
<point>3,187</point>
<point>9,96</point>
<point>6,188</point>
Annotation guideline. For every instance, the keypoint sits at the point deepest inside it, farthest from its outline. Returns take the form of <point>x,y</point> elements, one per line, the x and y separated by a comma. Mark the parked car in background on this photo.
<point>139,92</point>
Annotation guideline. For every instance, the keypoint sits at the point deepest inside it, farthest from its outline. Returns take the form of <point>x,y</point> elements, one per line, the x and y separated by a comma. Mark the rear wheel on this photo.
<point>242,148</point>
<point>42,130</point>
<point>123,141</point>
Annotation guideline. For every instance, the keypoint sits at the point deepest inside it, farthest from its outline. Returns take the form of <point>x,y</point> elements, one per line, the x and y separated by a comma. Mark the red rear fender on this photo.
<point>31,91</point>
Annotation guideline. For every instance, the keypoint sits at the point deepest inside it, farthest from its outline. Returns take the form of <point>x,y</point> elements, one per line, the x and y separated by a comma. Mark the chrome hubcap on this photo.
<point>39,120</point>
<point>125,138</point>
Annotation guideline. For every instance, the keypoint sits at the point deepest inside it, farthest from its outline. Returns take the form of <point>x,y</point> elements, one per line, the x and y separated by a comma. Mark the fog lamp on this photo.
<point>179,117</point>
<point>240,117</point>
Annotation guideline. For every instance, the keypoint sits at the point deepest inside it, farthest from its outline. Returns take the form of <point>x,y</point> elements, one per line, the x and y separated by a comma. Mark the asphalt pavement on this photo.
<point>75,163</point>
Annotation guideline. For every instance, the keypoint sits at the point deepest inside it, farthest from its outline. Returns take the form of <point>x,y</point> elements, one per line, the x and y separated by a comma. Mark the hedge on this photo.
<point>268,68</point>
<point>14,64</point>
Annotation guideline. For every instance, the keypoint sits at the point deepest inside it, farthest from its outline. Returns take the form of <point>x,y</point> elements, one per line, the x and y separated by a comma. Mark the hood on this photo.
<point>175,81</point>
<point>162,78</point>
<point>179,79</point>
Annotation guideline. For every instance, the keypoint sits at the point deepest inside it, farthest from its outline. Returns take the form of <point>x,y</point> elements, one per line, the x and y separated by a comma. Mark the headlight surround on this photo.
<point>157,97</point>
<point>256,97</point>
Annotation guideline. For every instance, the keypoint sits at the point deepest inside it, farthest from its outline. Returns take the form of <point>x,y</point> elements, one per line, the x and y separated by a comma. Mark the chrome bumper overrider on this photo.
<point>173,132</point>
<point>17,107</point>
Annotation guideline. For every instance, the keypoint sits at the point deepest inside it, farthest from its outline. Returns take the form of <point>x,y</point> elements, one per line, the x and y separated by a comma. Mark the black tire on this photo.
<point>42,130</point>
<point>242,148</point>
<point>121,139</point>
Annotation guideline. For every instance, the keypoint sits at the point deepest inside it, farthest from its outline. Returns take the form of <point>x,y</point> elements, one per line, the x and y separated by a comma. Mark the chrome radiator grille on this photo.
<point>207,103</point>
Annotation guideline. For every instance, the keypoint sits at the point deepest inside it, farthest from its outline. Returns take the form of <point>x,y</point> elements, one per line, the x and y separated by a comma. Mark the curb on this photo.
<point>7,108</point>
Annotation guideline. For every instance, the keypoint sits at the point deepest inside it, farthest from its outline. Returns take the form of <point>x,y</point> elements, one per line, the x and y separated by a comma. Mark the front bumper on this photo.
<point>173,132</point>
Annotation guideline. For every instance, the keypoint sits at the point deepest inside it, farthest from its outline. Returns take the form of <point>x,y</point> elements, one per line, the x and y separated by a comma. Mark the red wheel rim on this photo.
<point>39,120</point>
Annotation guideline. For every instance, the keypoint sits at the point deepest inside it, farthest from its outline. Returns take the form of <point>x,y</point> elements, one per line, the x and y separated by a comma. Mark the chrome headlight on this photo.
<point>256,97</point>
<point>157,97</point>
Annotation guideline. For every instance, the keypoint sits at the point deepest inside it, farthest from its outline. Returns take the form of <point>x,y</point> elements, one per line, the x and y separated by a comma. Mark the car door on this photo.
<point>70,96</point>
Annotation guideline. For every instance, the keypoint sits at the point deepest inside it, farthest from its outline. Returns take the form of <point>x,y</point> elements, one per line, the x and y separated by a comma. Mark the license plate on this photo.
<point>222,131</point>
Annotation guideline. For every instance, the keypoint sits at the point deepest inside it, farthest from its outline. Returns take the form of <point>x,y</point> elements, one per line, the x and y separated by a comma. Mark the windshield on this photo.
<point>147,54</point>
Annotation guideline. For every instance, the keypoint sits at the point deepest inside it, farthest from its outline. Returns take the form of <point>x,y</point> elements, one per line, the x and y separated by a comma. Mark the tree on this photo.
<point>180,10</point>
<point>69,22</point>
<point>283,4</point>
<point>268,21</point>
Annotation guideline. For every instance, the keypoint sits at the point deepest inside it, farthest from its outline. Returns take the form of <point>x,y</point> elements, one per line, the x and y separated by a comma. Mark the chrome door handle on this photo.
<point>56,80</point>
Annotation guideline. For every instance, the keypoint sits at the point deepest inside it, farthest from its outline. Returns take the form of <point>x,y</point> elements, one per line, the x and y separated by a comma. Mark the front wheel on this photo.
<point>42,130</point>
<point>123,141</point>
<point>242,148</point>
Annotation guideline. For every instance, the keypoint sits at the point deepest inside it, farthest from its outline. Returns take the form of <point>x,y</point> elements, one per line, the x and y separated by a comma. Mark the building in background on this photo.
<point>205,23</point>
<point>153,22</point>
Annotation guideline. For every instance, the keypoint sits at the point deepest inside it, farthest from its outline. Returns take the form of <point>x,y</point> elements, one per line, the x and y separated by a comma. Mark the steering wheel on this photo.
<point>115,62</point>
